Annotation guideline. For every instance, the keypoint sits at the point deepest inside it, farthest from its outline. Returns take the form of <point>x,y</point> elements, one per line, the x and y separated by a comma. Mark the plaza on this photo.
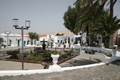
<point>60,40</point>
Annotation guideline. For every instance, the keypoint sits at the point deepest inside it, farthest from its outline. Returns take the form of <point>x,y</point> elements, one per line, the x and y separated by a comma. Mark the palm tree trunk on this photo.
<point>107,40</point>
<point>91,39</point>
<point>87,35</point>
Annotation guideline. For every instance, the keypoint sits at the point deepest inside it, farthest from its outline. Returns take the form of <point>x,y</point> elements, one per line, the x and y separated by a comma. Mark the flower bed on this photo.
<point>44,56</point>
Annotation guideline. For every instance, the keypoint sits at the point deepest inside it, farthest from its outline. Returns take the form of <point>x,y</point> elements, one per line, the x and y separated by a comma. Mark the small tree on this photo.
<point>33,36</point>
<point>1,41</point>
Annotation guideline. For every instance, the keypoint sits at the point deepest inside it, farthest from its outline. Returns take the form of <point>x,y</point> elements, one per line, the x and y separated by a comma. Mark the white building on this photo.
<point>15,39</point>
<point>51,39</point>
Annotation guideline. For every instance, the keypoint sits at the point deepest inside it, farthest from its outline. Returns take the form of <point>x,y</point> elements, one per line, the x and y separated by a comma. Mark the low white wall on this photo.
<point>26,72</point>
<point>102,49</point>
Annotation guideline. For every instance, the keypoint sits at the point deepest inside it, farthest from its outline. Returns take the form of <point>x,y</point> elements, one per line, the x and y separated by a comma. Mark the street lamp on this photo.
<point>27,26</point>
<point>7,37</point>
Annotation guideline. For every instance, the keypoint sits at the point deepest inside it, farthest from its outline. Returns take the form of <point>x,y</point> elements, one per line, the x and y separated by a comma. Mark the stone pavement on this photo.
<point>105,72</point>
<point>10,65</point>
<point>84,59</point>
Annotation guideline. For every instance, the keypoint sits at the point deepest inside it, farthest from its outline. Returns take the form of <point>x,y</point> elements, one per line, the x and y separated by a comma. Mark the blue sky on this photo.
<point>46,16</point>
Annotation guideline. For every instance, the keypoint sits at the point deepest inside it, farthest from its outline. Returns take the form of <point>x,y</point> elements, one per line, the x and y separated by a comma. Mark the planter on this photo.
<point>55,67</point>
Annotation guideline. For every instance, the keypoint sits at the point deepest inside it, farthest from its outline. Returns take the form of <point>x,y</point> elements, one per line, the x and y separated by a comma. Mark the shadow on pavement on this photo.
<point>117,62</point>
<point>84,62</point>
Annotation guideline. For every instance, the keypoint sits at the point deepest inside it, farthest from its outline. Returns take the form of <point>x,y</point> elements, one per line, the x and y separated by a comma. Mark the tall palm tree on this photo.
<point>104,27</point>
<point>85,20</point>
<point>81,3</point>
<point>90,5</point>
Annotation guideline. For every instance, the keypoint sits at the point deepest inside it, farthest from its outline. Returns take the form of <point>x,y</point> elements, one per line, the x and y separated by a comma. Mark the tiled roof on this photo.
<point>61,32</point>
<point>24,34</point>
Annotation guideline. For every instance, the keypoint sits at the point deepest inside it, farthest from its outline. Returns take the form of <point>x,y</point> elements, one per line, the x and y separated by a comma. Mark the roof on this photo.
<point>24,34</point>
<point>61,32</point>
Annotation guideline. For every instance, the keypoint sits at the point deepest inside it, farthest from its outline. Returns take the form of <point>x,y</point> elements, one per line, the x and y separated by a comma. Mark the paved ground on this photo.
<point>10,65</point>
<point>106,72</point>
<point>84,59</point>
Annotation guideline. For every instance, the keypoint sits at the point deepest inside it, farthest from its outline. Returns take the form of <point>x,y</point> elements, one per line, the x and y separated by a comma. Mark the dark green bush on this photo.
<point>64,55</point>
<point>26,54</point>
<point>39,58</point>
<point>47,54</point>
<point>13,53</point>
<point>68,51</point>
<point>37,48</point>
<point>30,57</point>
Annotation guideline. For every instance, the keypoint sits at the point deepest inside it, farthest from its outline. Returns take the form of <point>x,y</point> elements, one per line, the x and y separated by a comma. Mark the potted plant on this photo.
<point>108,55</point>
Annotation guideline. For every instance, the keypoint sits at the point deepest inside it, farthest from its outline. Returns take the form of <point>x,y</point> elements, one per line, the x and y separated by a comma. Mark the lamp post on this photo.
<point>27,26</point>
<point>7,37</point>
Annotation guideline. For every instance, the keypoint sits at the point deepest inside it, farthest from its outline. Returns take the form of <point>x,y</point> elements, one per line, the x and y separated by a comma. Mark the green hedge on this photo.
<point>13,53</point>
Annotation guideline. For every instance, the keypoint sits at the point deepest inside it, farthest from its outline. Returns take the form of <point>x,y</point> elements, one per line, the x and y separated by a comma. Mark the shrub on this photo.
<point>68,51</point>
<point>13,53</point>
<point>58,34</point>
<point>26,54</point>
<point>38,49</point>
<point>9,44</point>
<point>64,55</point>
<point>47,54</point>
<point>3,45</point>
<point>39,58</point>
<point>38,44</point>
<point>109,54</point>
<point>30,57</point>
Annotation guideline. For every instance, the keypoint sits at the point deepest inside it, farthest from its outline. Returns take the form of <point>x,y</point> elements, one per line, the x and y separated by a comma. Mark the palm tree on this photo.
<point>86,3</point>
<point>88,7</point>
<point>86,21</point>
<point>104,28</point>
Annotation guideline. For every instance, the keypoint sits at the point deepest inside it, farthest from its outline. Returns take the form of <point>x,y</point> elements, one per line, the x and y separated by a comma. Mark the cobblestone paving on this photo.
<point>106,72</point>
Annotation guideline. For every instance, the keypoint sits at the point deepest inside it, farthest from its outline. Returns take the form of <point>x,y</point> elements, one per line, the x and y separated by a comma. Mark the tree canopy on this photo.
<point>90,16</point>
<point>70,17</point>
<point>33,35</point>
